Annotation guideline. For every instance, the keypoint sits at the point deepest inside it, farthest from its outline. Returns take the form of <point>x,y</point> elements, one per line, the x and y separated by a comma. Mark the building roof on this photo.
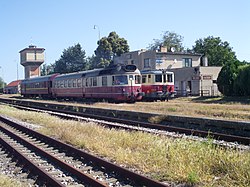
<point>14,83</point>
<point>179,53</point>
<point>32,48</point>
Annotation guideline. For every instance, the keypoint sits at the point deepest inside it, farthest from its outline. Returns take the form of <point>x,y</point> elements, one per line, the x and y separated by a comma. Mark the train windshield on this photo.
<point>170,77</point>
<point>120,80</point>
<point>137,79</point>
<point>158,78</point>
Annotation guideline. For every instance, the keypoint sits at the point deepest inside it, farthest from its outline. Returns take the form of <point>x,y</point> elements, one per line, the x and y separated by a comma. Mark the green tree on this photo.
<point>72,60</point>
<point>217,51</point>
<point>227,76</point>
<point>242,81</point>
<point>108,48</point>
<point>47,69</point>
<point>2,85</point>
<point>169,40</point>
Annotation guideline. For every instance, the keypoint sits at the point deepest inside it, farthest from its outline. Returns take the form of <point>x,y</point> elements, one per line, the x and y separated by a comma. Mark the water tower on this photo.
<point>32,58</point>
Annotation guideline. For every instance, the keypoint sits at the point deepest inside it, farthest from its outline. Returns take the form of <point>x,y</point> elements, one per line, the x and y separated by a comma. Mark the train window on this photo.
<point>144,78</point>
<point>74,83</point>
<point>86,81</point>
<point>170,77</point>
<point>104,81</point>
<point>94,81</point>
<point>130,67</point>
<point>149,79</point>
<point>120,80</point>
<point>137,79</point>
<point>79,83</point>
<point>65,83</point>
<point>131,77</point>
<point>158,78</point>
<point>70,83</point>
<point>83,82</point>
<point>91,82</point>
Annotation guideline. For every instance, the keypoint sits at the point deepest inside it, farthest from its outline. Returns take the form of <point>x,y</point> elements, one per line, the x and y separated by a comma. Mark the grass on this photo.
<point>7,182</point>
<point>162,158</point>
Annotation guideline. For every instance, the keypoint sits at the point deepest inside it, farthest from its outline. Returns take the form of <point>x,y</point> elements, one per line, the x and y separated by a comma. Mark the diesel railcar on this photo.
<point>157,84</point>
<point>117,83</point>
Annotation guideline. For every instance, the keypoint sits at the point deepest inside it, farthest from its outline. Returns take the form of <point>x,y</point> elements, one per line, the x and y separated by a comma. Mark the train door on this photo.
<point>48,84</point>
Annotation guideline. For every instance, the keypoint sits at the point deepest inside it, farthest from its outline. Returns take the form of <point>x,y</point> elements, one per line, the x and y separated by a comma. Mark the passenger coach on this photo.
<point>37,86</point>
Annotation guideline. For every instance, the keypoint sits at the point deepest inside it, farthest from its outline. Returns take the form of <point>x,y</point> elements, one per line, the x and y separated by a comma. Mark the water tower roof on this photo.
<point>32,48</point>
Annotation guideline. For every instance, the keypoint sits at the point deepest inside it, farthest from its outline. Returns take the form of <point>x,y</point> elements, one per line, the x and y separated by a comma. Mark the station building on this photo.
<point>13,87</point>
<point>193,76</point>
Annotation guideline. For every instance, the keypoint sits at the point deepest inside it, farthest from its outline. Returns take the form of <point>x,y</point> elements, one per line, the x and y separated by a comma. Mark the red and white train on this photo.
<point>117,83</point>
<point>157,84</point>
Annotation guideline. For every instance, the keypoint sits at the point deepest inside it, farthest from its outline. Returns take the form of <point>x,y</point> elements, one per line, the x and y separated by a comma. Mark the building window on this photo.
<point>146,63</point>
<point>128,56</point>
<point>132,62</point>
<point>187,62</point>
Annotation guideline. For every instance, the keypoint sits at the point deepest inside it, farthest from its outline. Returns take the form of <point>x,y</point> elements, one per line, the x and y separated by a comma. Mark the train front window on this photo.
<point>144,78</point>
<point>120,80</point>
<point>170,77</point>
<point>137,79</point>
<point>158,78</point>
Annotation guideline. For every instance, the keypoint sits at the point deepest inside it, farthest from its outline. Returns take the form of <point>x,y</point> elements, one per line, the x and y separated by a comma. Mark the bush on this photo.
<point>242,82</point>
<point>226,78</point>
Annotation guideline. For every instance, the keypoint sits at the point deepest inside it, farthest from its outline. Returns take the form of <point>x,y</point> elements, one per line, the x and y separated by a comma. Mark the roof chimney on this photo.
<point>163,49</point>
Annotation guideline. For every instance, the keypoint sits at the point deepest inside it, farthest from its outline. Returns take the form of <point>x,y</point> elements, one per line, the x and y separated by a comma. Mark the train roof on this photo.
<point>116,69</point>
<point>154,71</point>
<point>39,79</point>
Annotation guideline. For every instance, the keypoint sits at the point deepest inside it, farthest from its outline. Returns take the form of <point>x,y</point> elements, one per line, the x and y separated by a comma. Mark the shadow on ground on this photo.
<point>222,100</point>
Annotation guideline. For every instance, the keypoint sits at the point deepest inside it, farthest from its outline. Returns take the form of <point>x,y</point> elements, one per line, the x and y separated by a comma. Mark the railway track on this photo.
<point>69,114</point>
<point>58,164</point>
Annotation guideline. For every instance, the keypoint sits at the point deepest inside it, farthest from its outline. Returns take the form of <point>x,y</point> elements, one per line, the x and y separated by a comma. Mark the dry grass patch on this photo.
<point>7,182</point>
<point>162,158</point>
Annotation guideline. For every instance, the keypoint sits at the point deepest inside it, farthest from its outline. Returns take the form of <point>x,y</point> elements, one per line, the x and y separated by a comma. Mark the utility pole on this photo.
<point>17,74</point>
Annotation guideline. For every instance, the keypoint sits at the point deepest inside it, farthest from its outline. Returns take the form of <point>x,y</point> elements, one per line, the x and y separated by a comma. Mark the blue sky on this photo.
<point>58,24</point>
